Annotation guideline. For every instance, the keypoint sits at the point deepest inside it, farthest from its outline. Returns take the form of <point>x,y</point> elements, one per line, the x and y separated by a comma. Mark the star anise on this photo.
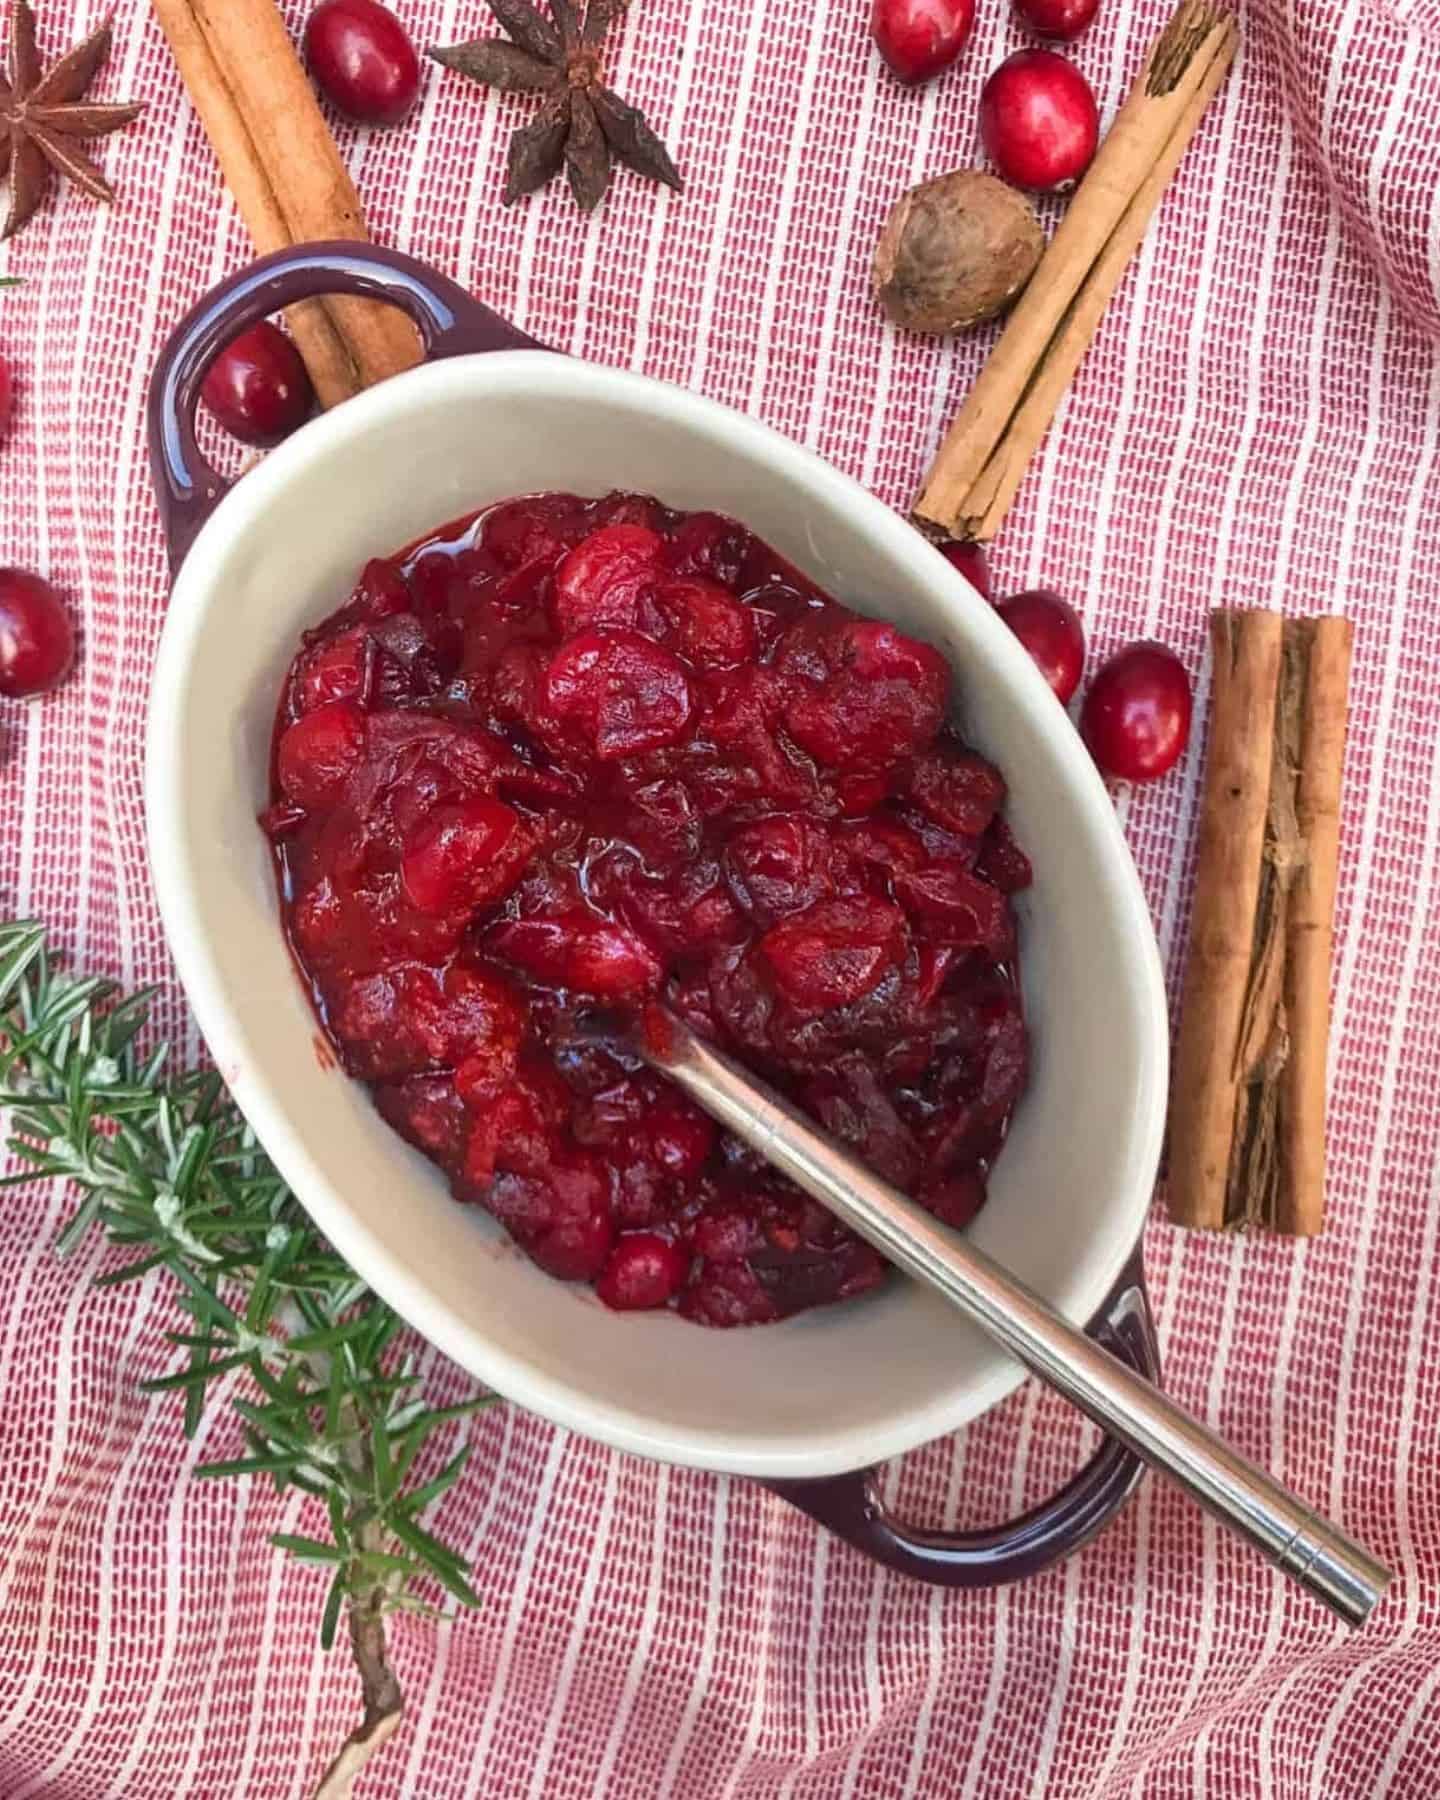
<point>582,125</point>
<point>44,118</point>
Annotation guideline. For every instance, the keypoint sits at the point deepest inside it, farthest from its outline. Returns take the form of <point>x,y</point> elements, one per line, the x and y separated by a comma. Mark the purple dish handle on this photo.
<point>450,323</point>
<point>850,1505</point>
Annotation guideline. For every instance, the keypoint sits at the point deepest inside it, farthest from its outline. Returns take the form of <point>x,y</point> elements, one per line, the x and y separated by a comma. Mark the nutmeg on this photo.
<point>955,251</point>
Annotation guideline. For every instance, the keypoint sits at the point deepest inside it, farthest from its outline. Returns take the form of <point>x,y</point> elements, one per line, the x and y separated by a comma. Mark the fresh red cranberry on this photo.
<point>37,639</point>
<point>1057,18</point>
<point>1038,121</point>
<point>258,387</point>
<point>1051,632</point>
<point>466,853</point>
<point>1136,716</point>
<point>7,396</point>
<point>973,564</point>
<point>644,1271</point>
<point>361,56</point>
<point>919,38</point>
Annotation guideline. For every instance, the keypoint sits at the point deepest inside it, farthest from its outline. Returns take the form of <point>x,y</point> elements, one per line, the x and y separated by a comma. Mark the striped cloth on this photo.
<point>1258,423</point>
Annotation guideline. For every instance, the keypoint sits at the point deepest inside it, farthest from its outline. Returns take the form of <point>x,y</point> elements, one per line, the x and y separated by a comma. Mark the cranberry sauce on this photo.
<point>571,753</point>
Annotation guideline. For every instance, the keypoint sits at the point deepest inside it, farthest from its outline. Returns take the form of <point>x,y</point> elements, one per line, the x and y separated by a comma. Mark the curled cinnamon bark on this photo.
<point>1247,1120</point>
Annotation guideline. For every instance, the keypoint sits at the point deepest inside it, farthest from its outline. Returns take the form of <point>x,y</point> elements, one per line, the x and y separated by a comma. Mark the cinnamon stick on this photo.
<point>317,337</point>
<point>1246,647</point>
<point>1310,924</point>
<point>1247,1122</point>
<point>995,489</point>
<point>281,163</point>
<point>1007,412</point>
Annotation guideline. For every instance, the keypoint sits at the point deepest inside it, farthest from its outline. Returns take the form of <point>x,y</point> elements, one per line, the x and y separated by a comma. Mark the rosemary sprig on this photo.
<point>167,1167</point>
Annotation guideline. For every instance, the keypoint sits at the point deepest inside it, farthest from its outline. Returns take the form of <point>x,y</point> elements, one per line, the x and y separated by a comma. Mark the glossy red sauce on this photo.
<point>573,752</point>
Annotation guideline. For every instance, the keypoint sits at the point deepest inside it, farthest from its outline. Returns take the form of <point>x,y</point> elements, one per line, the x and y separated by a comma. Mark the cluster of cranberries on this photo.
<point>570,755</point>
<point>1136,713</point>
<point>1038,118</point>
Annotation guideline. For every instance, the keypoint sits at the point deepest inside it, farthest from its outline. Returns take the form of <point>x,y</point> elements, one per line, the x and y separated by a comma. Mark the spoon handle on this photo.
<point>1296,1539</point>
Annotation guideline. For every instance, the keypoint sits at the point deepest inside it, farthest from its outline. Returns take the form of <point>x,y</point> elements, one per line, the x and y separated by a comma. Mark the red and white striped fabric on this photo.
<point>1259,422</point>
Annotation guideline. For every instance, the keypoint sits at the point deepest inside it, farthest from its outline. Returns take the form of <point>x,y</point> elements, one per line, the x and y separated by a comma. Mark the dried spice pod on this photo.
<point>955,251</point>
<point>582,127</point>
<point>537,150</point>
<point>587,154</point>
<point>45,118</point>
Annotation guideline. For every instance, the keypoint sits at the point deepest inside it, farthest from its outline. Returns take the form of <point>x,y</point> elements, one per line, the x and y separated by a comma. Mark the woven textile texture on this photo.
<point>1258,423</point>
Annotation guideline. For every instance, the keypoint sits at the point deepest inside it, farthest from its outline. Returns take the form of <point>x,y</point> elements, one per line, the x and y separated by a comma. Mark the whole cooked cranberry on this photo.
<point>1136,716</point>
<point>835,951</point>
<point>37,640</point>
<point>958,790</point>
<point>319,753</point>
<point>565,1221</point>
<point>520,532</point>
<point>1038,121</point>
<point>777,866</point>
<point>1057,18</point>
<point>709,625</point>
<point>362,58</point>
<point>881,698</point>
<point>258,387</point>
<point>961,910</point>
<point>709,544</point>
<point>465,853</point>
<point>7,396</point>
<point>973,564</point>
<point>624,690</point>
<point>602,579</point>
<point>337,669</point>
<point>919,38</point>
<point>643,1271</point>
<point>1050,630</point>
<point>578,950</point>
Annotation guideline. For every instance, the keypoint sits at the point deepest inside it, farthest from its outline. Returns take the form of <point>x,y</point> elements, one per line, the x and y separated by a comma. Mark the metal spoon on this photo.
<point>1296,1539</point>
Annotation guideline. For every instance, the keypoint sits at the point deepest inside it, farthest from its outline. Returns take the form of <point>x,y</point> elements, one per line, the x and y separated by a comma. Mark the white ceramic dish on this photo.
<point>829,1391</point>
